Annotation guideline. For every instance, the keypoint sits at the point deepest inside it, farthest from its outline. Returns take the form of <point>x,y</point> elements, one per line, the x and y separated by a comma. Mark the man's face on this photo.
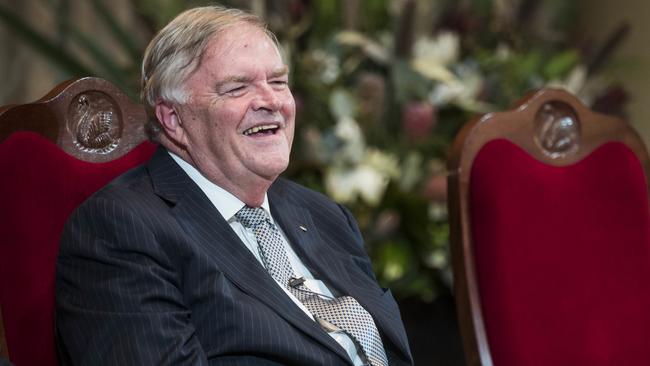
<point>239,121</point>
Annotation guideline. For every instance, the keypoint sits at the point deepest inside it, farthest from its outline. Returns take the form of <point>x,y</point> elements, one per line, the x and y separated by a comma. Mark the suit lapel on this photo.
<point>337,270</point>
<point>203,222</point>
<point>297,224</point>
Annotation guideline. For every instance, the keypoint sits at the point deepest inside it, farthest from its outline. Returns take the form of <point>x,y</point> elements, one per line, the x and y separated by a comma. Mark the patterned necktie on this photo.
<point>344,312</point>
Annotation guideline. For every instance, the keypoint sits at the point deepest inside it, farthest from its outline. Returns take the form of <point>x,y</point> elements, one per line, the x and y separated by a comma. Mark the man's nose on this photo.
<point>267,98</point>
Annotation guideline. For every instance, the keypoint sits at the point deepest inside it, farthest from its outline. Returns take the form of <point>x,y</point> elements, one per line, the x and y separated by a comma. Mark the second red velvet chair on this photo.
<point>550,229</point>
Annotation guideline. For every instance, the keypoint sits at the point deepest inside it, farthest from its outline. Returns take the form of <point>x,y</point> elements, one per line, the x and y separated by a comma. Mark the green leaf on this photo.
<point>561,64</point>
<point>162,11</point>
<point>326,18</point>
<point>528,65</point>
<point>394,259</point>
<point>409,84</point>
<point>41,44</point>
<point>119,33</point>
<point>112,71</point>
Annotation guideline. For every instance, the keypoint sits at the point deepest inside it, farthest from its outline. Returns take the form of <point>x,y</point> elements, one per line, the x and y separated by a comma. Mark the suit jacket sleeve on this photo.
<point>359,251</point>
<point>118,297</point>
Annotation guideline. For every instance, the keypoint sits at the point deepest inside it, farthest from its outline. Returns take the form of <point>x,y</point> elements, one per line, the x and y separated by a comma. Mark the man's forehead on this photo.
<point>239,36</point>
<point>228,54</point>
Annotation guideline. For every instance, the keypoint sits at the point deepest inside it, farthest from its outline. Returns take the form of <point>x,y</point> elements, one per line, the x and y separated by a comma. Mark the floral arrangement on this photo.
<point>382,86</point>
<point>379,105</point>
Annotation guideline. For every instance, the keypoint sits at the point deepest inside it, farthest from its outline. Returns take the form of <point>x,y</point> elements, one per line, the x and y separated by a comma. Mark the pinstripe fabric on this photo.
<point>343,312</point>
<point>150,273</point>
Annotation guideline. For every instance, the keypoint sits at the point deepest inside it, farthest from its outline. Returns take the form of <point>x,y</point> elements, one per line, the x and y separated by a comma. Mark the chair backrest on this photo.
<point>54,153</point>
<point>550,231</point>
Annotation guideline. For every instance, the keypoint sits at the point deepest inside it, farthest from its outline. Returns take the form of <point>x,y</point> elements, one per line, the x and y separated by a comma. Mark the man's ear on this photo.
<point>170,122</point>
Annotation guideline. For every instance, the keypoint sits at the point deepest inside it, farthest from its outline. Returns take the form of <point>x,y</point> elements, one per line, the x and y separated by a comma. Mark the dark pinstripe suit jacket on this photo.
<point>150,273</point>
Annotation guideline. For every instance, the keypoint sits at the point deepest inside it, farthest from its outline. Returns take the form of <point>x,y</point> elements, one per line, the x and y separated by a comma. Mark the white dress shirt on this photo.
<point>228,205</point>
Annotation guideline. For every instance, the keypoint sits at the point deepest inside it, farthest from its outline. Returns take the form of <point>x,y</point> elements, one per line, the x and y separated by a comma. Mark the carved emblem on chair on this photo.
<point>94,122</point>
<point>557,129</point>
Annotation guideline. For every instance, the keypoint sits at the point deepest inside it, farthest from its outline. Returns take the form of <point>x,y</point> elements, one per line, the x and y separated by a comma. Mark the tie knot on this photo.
<point>251,217</point>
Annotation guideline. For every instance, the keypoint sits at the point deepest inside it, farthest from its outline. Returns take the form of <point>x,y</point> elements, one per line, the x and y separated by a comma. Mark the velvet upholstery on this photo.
<point>562,257</point>
<point>40,186</point>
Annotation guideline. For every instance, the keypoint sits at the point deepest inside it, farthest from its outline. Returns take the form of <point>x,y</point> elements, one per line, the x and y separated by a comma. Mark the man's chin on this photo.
<point>280,169</point>
<point>269,169</point>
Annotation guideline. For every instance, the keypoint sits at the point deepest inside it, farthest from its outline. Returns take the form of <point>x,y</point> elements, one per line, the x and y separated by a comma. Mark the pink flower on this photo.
<point>418,119</point>
<point>435,188</point>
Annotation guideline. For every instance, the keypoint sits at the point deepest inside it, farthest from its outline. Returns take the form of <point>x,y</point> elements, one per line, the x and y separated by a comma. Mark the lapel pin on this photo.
<point>303,228</point>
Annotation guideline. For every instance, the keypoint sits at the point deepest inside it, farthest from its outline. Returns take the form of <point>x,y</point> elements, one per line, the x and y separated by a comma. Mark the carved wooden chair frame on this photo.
<point>556,137</point>
<point>97,121</point>
<point>88,118</point>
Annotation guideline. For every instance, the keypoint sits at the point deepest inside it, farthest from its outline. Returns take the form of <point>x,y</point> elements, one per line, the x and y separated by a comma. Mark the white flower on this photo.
<point>433,71</point>
<point>371,184</point>
<point>342,104</point>
<point>372,49</point>
<point>503,52</point>
<point>362,181</point>
<point>574,82</point>
<point>462,91</point>
<point>329,66</point>
<point>385,163</point>
<point>366,180</point>
<point>376,171</point>
<point>445,93</point>
<point>340,184</point>
<point>432,56</point>
<point>354,145</point>
<point>443,50</point>
<point>411,171</point>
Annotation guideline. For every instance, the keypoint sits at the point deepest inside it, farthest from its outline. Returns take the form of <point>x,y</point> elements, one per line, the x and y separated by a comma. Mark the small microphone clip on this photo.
<point>295,282</point>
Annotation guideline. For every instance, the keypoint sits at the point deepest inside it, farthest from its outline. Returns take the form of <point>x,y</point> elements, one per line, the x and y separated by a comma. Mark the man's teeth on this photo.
<point>257,129</point>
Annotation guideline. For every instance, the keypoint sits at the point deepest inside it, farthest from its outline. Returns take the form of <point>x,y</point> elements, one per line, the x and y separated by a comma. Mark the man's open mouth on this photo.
<point>269,129</point>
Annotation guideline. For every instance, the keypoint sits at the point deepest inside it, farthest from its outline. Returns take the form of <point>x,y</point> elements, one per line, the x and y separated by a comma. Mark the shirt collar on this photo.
<point>225,202</point>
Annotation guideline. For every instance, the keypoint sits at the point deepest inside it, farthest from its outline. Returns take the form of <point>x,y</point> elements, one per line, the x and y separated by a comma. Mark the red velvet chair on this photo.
<point>54,153</point>
<point>550,231</point>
